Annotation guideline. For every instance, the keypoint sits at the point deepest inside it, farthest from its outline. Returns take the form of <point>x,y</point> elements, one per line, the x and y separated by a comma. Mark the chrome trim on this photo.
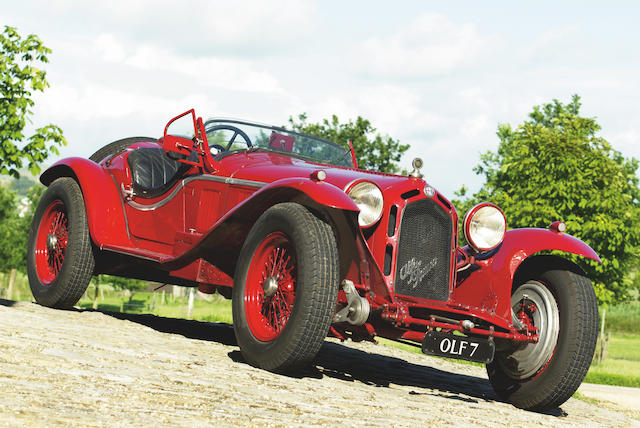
<point>174,192</point>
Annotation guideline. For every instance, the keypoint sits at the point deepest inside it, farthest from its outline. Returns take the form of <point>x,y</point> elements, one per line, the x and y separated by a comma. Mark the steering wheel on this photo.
<point>236,132</point>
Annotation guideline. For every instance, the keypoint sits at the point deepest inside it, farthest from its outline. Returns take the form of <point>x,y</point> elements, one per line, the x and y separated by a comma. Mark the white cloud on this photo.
<point>430,45</point>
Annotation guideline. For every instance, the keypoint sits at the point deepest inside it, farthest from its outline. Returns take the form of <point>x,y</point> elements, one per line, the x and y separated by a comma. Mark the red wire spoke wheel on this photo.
<point>270,288</point>
<point>51,242</point>
<point>285,288</point>
<point>60,260</point>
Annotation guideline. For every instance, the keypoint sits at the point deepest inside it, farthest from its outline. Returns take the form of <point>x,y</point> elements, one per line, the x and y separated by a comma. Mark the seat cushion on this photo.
<point>153,172</point>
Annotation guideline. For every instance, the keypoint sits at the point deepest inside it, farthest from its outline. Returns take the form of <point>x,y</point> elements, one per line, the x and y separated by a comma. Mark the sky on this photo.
<point>439,76</point>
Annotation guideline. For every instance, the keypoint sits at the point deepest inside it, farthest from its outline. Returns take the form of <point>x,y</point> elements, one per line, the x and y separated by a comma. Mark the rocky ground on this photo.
<point>87,368</point>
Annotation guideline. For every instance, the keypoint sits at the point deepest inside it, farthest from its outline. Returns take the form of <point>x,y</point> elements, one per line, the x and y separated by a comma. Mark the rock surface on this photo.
<point>87,368</point>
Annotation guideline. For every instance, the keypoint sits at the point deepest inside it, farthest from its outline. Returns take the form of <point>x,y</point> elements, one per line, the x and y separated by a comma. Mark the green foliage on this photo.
<point>14,229</point>
<point>19,77</point>
<point>555,167</point>
<point>12,253</point>
<point>373,151</point>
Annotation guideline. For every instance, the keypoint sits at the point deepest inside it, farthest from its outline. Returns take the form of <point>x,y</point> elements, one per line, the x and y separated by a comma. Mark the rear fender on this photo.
<point>487,285</point>
<point>105,212</point>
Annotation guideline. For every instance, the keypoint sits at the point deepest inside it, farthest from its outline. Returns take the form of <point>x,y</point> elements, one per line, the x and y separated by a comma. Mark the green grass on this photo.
<point>216,310</point>
<point>622,365</point>
<point>623,318</point>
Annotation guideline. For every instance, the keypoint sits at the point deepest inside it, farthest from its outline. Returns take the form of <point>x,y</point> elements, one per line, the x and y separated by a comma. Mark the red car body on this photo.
<point>193,232</point>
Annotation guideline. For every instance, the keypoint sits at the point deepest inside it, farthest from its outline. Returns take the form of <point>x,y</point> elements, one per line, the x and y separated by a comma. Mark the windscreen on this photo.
<point>230,136</point>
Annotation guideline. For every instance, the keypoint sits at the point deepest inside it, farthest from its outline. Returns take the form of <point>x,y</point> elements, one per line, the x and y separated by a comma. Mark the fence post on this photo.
<point>12,281</point>
<point>190,305</point>
<point>95,296</point>
<point>604,340</point>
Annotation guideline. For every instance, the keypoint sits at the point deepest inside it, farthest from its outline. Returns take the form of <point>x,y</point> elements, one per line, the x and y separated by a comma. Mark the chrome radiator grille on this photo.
<point>424,251</point>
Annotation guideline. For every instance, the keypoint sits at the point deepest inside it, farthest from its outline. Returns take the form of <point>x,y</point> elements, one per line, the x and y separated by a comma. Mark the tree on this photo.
<point>11,254</point>
<point>373,151</point>
<point>19,77</point>
<point>14,229</point>
<point>555,167</point>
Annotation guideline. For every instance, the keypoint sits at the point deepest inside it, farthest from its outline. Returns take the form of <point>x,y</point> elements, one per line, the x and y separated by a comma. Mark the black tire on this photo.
<point>311,271</point>
<point>60,260</point>
<point>543,385</point>
<point>117,147</point>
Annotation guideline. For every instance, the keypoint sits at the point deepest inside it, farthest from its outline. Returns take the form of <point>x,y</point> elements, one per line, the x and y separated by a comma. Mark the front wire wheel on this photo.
<point>51,241</point>
<point>560,303</point>
<point>285,288</point>
<point>270,288</point>
<point>60,260</point>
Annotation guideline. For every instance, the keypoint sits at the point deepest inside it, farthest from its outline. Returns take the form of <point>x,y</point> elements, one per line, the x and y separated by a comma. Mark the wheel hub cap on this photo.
<point>270,286</point>
<point>52,242</point>
<point>535,305</point>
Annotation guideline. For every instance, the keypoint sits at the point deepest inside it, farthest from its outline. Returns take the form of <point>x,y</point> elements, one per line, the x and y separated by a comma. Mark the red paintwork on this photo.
<point>102,199</point>
<point>268,314</point>
<point>353,155</point>
<point>488,290</point>
<point>54,223</point>
<point>192,235</point>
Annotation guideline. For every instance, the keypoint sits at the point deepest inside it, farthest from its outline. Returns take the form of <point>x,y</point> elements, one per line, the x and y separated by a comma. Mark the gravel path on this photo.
<point>87,368</point>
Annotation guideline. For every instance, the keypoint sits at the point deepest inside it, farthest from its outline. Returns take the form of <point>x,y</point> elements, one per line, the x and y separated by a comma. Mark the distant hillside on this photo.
<point>21,185</point>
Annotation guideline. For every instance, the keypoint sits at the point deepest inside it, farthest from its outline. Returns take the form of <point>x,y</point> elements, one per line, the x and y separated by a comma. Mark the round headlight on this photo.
<point>368,197</point>
<point>484,227</point>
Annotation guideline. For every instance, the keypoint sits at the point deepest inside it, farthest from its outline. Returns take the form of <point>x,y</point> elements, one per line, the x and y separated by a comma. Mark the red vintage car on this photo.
<point>307,245</point>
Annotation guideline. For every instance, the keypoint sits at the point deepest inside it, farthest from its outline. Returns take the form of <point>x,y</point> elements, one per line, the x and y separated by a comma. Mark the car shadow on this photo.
<point>200,330</point>
<point>341,362</point>
<point>7,303</point>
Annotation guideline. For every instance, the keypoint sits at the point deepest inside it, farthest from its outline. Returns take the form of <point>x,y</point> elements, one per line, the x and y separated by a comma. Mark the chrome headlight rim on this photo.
<point>370,213</point>
<point>482,247</point>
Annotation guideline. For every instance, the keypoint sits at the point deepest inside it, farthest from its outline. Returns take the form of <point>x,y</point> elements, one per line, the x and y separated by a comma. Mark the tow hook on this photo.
<point>357,310</point>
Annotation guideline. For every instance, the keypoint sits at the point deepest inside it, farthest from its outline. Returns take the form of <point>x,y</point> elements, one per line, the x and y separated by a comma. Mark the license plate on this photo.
<point>459,347</point>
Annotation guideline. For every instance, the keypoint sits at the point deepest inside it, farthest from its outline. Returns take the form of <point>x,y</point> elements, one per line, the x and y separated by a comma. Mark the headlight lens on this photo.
<point>484,227</point>
<point>368,197</point>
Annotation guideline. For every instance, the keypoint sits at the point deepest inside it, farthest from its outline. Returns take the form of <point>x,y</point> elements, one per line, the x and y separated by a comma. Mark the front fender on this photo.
<point>488,285</point>
<point>105,213</point>
<point>320,192</point>
<point>222,243</point>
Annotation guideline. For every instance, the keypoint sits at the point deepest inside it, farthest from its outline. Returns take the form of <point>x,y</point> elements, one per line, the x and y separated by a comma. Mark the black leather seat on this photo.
<point>153,172</point>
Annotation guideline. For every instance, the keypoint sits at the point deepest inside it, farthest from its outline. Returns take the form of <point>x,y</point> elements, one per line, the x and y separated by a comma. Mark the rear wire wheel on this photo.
<point>60,260</point>
<point>561,304</point>
<point>285,288</point>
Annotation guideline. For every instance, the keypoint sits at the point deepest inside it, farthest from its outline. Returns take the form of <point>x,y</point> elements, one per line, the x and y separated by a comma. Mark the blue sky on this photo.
<point>437,75</point>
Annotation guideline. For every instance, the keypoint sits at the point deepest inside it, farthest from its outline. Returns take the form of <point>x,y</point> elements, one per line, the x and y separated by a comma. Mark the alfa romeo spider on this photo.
<point>306,246</point>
